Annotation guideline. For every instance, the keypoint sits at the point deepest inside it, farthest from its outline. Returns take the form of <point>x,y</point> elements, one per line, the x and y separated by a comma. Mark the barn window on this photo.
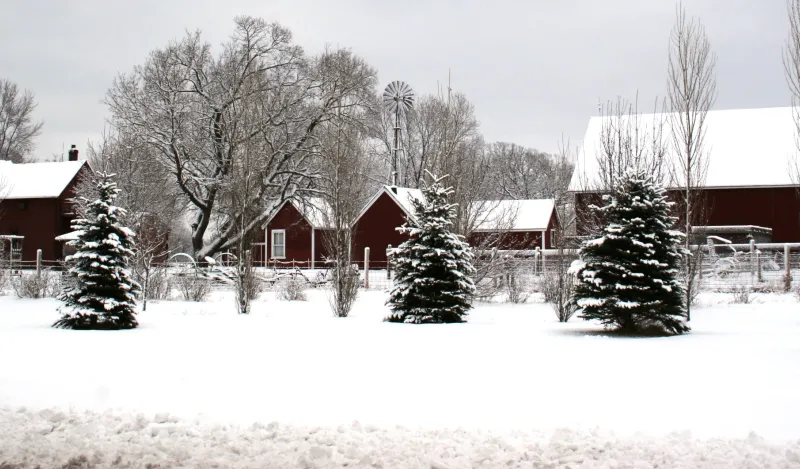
<point>278,244</point>
<point>553,238</point>
<point>22,205</point>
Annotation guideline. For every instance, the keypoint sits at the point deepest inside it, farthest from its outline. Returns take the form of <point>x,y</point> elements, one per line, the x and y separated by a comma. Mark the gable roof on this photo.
<point>316,211</point>
<point>402,196</point>
<point>37,180</point>
<point>514,215</point>
<point>745,147</point>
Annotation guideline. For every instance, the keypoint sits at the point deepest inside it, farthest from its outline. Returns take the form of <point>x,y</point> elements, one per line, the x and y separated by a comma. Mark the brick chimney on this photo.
<point>73,153</point>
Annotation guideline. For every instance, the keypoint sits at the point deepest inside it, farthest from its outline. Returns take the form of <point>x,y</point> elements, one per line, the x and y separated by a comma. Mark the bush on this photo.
<point>741,294</point>
<point>193,287</point>
<point>557,288</point>
<point>158,284</point>
<point>30,284</point>
<point>518,287</point>
<point>292,289</point>
<point>345,290</point>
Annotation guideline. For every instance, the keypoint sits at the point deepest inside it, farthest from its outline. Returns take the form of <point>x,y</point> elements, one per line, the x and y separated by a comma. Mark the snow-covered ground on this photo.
<point>291,386</point>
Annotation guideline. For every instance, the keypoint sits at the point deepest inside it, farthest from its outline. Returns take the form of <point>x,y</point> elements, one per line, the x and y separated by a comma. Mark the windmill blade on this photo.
<point>398,95</point>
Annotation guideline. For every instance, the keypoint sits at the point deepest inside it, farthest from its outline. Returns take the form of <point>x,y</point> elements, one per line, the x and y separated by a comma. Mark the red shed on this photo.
<point>34,203</point>
<point>376,226</point>
<point>514,224</point>
<point>296,233</point>
<point>748,181</point>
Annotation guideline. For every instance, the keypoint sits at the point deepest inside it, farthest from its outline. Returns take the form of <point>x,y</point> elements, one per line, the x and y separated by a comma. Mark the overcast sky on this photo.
<point>534,69</point>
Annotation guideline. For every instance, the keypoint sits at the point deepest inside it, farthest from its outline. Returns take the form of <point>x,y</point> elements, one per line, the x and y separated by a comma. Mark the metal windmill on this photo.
<point>398,97</point>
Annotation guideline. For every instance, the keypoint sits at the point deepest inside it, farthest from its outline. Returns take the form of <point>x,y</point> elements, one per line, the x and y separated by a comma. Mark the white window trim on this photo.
<point>272,244</point>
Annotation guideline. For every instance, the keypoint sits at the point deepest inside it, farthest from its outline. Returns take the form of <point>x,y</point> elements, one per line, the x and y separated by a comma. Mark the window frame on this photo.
<point>272,244</point>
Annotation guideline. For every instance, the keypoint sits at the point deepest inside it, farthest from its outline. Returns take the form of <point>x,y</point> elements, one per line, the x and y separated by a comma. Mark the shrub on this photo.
<point>192,286</point>
<point>741,294</point>
<point>557,288</point>
<point>157,285</point>
<point>292,289</point>
<point>518,287</point>
<point>345,290</point>
<point>30,284</point>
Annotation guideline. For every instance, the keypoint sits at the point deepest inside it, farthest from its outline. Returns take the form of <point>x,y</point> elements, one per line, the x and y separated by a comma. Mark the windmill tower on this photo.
<point>398,98</point>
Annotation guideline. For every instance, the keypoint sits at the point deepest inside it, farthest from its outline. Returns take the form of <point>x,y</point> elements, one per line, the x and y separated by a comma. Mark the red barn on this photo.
<point>748,183</point>
<point>376,226</point>
<point>34,203</point>
<point>296,233</point>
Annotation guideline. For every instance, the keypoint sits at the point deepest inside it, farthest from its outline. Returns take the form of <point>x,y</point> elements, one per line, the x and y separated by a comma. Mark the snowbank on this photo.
<point>51,438</point>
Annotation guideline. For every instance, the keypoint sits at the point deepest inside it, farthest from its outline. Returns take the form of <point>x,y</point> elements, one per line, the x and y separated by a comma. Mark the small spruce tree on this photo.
<point>433,268</point>
<point>628,277</point>
<point>101,293</point>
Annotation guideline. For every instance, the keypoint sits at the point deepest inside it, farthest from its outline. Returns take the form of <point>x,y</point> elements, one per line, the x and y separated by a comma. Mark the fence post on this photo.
<point>388,262</point>
<point>366,268</point>
<point>758,266</point>
<point>787,268</point>
<point>544,263</point>
<point>752,259</point>
<point>38,263</point>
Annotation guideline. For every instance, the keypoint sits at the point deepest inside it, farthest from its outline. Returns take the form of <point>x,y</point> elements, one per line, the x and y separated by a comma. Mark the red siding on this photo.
<point>777,208</point>
<point>376,230</point>
<point>298,237</point>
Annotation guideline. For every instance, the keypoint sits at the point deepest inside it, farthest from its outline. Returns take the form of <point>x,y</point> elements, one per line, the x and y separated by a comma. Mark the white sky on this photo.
<point>534,69</point>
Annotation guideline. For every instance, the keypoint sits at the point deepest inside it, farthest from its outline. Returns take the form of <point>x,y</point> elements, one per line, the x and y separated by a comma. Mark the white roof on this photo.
<point>745,147</point>
<point>36,180</point>
<point>514,215</point>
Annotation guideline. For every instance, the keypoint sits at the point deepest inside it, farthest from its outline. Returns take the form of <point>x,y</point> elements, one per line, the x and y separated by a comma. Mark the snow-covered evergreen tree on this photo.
<point>433,281</point>
<point>102,293</point>
<point>628,277</point>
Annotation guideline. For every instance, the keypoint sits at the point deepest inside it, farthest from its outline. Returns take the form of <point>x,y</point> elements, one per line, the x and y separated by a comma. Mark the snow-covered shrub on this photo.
<point>345,281</point>
<point>433,282</point>
<point>30,284</point>
<point>192,286</point>
<point>741,294</point>
<point>102,294</point>
<point>628,278</point>
<point>558,288</point>
<point>292,289</point>
<point>156,284</point>
<point>518,286</point>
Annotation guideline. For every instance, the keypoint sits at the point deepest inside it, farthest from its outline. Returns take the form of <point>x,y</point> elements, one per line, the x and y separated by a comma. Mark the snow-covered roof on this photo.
<point>316,211</point>
<point>71,236</point>
<point>514,215</point>
<point>745,147</point>
<point>36,180</point>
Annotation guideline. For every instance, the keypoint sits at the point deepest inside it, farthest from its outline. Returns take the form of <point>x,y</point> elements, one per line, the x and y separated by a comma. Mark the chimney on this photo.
<point>73,153</point>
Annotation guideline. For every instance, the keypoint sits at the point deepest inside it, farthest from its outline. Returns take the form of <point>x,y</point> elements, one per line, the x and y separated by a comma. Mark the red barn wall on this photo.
<point>515,240</point>
<point>376,229</point>
<point>777,208</point>
<point>298,234</point>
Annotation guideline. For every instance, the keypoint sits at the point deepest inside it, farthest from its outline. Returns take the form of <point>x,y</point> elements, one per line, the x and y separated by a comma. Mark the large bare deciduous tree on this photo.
<point>691,94</point>
<point>18,130</point>
<point>791,65</point>
<point>200,113</point>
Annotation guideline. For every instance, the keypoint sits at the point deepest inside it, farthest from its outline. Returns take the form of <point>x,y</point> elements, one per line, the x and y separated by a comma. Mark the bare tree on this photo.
<point>18,130</point>
<point>692,92</point>
<point>526,173</point>
<point>201,113</point>
<point>345,188</point>
<point>627,138</point>
<point>791,65</point>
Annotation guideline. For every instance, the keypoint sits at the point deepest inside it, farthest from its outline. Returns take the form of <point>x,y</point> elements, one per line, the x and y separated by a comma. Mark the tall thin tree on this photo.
<point>691,94</point>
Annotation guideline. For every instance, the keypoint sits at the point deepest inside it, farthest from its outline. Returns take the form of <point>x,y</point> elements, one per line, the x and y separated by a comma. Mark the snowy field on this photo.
<point>290,386</point>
